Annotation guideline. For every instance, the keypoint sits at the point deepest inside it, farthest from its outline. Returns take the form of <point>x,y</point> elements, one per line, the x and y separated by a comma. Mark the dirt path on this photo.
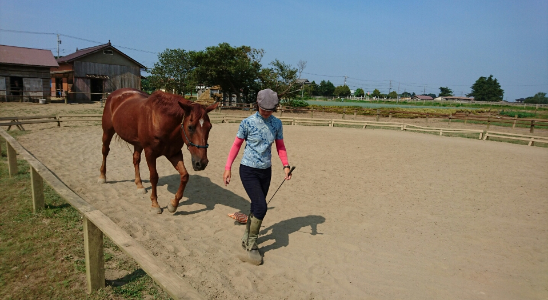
<point>369,214</point>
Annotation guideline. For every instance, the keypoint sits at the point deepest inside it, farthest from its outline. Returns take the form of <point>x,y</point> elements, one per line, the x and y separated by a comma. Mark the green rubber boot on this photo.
<point>246,232</point>
<point>253,255</point>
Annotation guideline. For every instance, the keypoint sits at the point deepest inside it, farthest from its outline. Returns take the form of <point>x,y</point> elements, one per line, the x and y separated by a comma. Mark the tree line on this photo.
<point>239,71</point>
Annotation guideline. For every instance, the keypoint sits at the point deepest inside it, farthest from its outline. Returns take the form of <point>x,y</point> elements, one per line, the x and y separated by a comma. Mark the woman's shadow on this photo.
<point>200,190</point>
<point>280,231</point>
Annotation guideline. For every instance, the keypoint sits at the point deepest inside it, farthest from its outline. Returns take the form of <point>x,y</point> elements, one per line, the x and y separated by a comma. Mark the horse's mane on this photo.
<point>168,103</point>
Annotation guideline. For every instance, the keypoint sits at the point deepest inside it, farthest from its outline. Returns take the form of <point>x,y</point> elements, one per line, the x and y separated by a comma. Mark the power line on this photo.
<point>76,38</point>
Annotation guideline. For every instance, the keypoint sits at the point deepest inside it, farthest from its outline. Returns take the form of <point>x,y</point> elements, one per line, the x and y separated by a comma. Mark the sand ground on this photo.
<point>369,214</point>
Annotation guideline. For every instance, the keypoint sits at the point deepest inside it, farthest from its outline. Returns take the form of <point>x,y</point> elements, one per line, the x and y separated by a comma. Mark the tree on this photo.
<point>173,71</point>
<point>393,95</point>
<point>342,91</point>
<point>431,95</point>
<point>282,78</point>
<point>376,93</point>
<point>405,95</point>
<point>538,98</point>
<point>311,89</point>
<point>326,88</point>
<point>359,92</point>
<point>445,91</point>
<point>235,69</point>
<point>486,89</point>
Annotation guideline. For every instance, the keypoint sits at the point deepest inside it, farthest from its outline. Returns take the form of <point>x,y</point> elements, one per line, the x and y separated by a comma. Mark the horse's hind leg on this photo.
<point>107,137</point>
<point>136,161</point>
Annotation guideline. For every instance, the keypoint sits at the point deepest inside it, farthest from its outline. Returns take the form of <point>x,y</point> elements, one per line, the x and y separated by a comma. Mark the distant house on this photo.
<point>520,100</point>
<point>24,73</point>
<point>422,97</point>
<point>88,73</point>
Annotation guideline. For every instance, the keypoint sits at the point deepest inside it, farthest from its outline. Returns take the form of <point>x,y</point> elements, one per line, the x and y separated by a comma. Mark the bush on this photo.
<point>520,114</point>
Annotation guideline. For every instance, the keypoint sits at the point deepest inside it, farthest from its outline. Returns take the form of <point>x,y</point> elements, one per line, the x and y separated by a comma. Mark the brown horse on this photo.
<point>160,124</point>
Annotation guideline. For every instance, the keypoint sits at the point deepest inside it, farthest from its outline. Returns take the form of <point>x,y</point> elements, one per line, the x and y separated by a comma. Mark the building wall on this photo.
<point>119,76</point>
<point>36,80</point>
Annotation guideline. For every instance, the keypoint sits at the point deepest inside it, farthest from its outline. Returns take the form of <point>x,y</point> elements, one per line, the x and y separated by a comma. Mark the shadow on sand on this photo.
<point>280,231</point>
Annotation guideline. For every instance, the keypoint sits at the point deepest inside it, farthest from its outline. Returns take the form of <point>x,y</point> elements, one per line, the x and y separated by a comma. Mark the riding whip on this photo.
<point>290,171</point>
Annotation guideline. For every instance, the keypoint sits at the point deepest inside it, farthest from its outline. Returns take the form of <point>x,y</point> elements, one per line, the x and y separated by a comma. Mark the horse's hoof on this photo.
<point>101,180</point>
<point>141,191</point>
<point>156,210</point>
<point>171,208</point>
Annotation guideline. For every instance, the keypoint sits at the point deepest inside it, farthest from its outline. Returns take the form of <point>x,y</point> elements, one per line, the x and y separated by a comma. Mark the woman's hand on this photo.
<point>226,177</point>
<point>287,176</point>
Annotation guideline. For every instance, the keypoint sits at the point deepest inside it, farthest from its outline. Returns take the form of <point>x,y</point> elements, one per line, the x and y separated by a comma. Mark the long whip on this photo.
<point>290,171</point>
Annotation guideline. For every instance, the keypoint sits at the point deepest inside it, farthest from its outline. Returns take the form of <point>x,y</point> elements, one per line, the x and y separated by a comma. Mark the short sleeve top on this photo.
<point>259,134</point>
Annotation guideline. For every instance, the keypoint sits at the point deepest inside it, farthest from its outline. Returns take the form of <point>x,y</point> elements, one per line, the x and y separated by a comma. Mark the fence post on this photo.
<point>355,115</point>
<point>515,119</point>
<point>465,118</point>
<point>12,159</point>
<point>426,118</point>
<point>390,117</point>
<point>37,187</point>
<point>93,248</point>
<point>377,115</point>
<point>312,113</point>
<point>450,117</point>
<point>532,126</point>
<point>344,112</point>
<point>488,121</point>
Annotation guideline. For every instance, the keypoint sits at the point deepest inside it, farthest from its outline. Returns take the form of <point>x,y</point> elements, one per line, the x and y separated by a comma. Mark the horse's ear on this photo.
<point>212,107</point>
<point>186,106</point>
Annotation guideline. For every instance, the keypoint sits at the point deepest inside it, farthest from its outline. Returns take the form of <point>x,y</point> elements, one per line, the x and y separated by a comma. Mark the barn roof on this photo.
<point>26,56</point>
<point>423,97</point>
<point>87,51</point>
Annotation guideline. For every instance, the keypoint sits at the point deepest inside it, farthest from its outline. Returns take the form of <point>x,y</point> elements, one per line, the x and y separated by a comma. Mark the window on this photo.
<point>109,52</point>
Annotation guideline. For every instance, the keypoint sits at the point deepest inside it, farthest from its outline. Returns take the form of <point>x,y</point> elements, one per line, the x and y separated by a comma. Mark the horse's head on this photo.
<point>195,132</point>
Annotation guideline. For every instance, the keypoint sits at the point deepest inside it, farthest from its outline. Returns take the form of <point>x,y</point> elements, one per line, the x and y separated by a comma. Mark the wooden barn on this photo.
<point>25,73</point>
<point>88,73</point>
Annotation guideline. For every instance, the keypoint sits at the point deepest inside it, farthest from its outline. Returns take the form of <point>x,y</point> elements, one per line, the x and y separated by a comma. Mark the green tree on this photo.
<point>311,89</point>
<point>405,95</point>
<point>376,93</point>
<point>486,89</point>
<point>445,91</point>
<point>235,69</point>
<point>538,98</point>
<point>342,91</point>
<point>146,86</point>
<point>431,95</point>
<point>173,71</point>
<point>282,78</point>
<point>393,95</point>
<point>359,92</point>
<point>326,88</point>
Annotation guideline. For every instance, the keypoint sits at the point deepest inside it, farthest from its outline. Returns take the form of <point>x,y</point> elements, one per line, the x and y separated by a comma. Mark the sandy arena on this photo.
<point>369,214</point>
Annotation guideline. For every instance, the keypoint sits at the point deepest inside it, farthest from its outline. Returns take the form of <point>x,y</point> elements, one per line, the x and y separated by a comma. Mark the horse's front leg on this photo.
<point>151,162</point>
<point>177,162</point>
<point>136,161</point>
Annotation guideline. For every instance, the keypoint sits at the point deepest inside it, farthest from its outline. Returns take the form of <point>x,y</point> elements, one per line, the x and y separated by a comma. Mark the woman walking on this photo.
<point>260,131</point>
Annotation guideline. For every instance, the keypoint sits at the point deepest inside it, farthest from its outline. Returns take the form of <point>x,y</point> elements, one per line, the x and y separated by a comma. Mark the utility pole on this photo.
<point>390,87</point>
<point>345,79</point>
<point>58,43</point>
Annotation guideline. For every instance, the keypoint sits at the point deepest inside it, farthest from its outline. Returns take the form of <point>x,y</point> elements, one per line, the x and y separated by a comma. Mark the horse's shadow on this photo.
<point>280,231</point>
<point>199,190</point>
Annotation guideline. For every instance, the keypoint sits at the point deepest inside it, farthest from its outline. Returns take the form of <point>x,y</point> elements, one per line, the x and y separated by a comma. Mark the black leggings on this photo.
<point>256,183</point>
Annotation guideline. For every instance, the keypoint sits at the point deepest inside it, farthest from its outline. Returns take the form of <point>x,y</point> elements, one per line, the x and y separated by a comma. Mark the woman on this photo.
<point>259,131</point>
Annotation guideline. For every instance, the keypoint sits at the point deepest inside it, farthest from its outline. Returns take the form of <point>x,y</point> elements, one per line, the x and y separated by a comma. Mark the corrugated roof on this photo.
<point>26,56</point>
<point>87,51</point>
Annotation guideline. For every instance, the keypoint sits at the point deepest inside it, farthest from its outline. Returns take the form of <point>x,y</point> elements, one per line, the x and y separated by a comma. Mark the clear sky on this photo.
<point>414,46</point>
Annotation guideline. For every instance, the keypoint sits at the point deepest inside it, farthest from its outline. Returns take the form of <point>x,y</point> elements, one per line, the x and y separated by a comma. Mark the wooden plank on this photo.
<point>27,122</point>
<point>27,117</point>
<point>12,159</point>
<point>37,190</point>
<point>93,249</point>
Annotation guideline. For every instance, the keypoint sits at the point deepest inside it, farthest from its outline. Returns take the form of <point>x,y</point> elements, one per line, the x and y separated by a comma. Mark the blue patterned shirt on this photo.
<point>259,134</point>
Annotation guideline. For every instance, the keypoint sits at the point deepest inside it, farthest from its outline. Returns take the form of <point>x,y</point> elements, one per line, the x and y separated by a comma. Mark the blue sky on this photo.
<point>412,46</point>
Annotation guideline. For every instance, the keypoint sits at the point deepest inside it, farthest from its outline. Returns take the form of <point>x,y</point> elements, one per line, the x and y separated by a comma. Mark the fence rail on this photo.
<point>95,225</point>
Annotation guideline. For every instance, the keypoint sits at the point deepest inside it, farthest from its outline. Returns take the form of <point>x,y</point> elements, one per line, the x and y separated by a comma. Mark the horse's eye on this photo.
<point>190,127</point>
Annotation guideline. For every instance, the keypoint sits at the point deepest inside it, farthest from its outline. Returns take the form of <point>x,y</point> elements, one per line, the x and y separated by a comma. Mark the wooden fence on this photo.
<point>482,134</point>
<point>95,225</point>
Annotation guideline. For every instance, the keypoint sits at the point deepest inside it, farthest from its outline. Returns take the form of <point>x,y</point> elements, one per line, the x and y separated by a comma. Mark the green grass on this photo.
<point>42,254</point>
